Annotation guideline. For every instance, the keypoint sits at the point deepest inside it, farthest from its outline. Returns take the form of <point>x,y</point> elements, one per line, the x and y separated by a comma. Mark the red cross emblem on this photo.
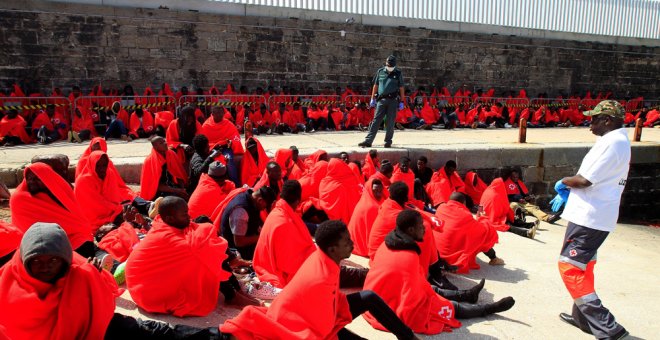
<point>512,186</point>
<point>572,252</point>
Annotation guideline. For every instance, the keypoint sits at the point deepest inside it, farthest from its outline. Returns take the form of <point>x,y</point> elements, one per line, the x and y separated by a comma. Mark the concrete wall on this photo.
<point>50,44</point>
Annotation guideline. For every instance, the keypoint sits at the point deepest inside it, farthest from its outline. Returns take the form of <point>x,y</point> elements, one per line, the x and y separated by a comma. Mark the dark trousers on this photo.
<point>124,327</point>
<point>368,301</point>
<point>116,129</point>
<point>576,266</point>
<point>232,168</point>
<point>385,109</point>
<point>87,249</point>
<point>351,277</point>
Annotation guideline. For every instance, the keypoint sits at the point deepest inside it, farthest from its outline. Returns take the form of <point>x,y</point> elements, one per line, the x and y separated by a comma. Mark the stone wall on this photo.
<point>47,44</point>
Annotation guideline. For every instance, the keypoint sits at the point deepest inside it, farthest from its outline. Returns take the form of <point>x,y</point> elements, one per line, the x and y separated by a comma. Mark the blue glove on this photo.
<point>372,103</point>
<point>400,106</point>
<point>562,190</point>
<point>557,203</point>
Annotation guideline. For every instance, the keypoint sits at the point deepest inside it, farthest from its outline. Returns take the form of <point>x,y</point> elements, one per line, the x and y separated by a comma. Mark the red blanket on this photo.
<point>474,190</point>
<point>100,199</point>
<point>384,223</point>
<point>397,277</point>
<point>14,127</point>
<point>339,191</point>
<point>311,181</point>
<point>252,169</point>
<point>219,133</point>
<point>207,196</point>
<point>314,158</point>
<point>10,238</point>
<point>216,216</point>
<point>147,123</point>
<point>386,181</point>
<point>441,186</point>
<point>496,205</point>
<point>512,188</point>
<point>27,209</point>
<point>177,271</point>
<point>284,244</point>
<point>363,218</point>
<point>82,162</point>
<point>163,119</point>
<point>152,169</point>
<point>78,306</point>
<point>172,135</point>
<point>357,172</point>
<point>463,237</point>
<point>120,242</point>
<point>311,307</point>
<point>370,166</point>
<point>405,177</point>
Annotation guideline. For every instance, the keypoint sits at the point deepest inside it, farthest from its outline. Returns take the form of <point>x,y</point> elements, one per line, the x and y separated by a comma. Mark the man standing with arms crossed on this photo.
<point>592,209</point>
<point>387,96</point>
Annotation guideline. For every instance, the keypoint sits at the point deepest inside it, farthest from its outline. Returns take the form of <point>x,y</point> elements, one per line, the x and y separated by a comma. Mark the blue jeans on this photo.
<point>116,129</point>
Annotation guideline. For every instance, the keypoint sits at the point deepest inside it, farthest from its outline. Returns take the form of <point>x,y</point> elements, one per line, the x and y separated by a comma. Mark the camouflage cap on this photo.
<point>607,107</point>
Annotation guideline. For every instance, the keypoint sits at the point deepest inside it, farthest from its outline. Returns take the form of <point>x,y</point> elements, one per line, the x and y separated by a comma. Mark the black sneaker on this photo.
<point>364,145</point>
<point>388,145</point>
<point>553,218</point>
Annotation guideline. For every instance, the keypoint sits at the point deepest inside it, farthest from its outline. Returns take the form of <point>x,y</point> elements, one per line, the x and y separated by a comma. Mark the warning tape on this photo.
<point>29,107</point>
<point>135,106</point>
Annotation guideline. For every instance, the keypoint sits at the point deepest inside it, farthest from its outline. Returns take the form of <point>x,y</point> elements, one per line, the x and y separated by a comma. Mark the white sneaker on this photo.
<point>507,125</point>
<point>263,290</point>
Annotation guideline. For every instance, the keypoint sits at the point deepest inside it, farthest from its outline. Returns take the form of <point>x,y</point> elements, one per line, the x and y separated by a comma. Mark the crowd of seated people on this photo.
<point>276,232</point>
<point>127,115</point>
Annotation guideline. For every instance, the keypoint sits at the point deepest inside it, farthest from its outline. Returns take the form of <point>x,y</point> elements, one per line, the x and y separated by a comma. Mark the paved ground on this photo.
<point>334,142</point>
<point>626,280</point>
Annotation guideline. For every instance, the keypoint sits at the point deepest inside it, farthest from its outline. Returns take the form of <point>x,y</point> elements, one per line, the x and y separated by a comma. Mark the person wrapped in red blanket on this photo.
<point>396,276</point>
<point>212,189</point>
<point>44,196</point>
<point>101,192</point>
<point>162,173</point>
<point>339,191</point>
<point>49,292</point>
<point>365,214</point>
<point>12,130</point>
<point>312,306</point>
<point>178,268</point>
<point>463,237</point>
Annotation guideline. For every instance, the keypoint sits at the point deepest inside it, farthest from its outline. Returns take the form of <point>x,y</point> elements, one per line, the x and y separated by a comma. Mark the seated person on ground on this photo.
<point>397,277</point>
<point>496,207</point>
<point>312,306</point>
<point>162,173</point>
<point>238,218</point>
<point>520,198</point>
<point>463,237</point>
<point>12,130</point>
<point>180,266</point>
<point>212,189</point>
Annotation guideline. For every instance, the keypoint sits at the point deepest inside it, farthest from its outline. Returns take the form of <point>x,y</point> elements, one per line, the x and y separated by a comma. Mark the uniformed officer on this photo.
<point>387,96</point>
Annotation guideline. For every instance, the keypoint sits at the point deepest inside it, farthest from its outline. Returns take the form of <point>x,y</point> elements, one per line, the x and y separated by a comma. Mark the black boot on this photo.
<point>469,295</point>
<point>468,311</point>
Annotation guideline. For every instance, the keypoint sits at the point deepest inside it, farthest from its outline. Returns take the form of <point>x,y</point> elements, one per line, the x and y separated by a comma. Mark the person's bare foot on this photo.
<point>496,262</point>
<point>241,300</point>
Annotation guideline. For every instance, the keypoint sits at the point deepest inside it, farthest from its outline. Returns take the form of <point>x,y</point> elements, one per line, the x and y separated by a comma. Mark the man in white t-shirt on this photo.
<point>592,210</point>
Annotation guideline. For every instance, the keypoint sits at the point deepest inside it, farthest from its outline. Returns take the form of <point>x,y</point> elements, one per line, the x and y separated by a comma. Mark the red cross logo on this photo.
<point>572,252</point>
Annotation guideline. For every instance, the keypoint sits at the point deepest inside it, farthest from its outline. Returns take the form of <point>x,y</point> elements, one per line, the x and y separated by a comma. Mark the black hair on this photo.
<point>376,181</point>
<point>200,143</point>
<point>373,153</point>
<point>457,196</point>
<point>450,164</point>
<point>423,159</point>
<point>169,205</point>
<point>386,168</point>
<point>329,233</point>
<point>404,159</point>
<point>407,218</point>
<point>399,191</point>
<point>291,191</point>
<point>267,194</point>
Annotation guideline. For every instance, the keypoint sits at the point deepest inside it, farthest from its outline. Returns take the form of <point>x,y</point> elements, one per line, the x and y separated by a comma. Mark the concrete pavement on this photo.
<point>626,281</point>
